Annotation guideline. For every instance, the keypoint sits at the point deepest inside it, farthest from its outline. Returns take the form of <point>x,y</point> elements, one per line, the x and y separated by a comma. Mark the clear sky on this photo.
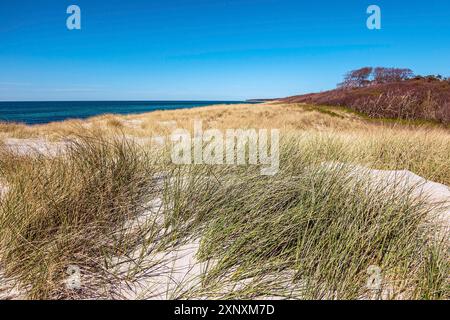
<point>209,49</point>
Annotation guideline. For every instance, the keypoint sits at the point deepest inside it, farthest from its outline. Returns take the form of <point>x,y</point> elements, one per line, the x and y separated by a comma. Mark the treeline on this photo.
<point>367,76</point>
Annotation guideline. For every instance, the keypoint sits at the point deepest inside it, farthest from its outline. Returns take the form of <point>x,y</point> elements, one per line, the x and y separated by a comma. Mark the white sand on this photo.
<point>434,193</point>
<point>34,146</point>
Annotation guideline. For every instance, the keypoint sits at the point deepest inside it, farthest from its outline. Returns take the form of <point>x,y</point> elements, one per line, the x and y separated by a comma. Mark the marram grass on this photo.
<point>314,230</point>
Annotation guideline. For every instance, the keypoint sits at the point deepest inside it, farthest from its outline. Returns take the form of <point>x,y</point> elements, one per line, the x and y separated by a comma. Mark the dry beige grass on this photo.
<point>335,133</point>
<point>282,116</point>
<point>268,115</point>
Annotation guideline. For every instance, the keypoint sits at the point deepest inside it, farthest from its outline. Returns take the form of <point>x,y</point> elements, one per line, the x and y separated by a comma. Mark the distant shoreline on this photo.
<point>260,100</point>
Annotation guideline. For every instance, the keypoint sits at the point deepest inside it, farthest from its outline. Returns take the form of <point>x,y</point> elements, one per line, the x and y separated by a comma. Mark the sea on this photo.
<point>44,112</point>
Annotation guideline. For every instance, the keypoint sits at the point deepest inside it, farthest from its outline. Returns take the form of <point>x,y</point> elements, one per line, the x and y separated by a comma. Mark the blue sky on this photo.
<point>209,49</point>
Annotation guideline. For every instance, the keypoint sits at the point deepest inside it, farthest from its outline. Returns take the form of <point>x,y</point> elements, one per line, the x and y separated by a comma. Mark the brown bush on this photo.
<point>415,99</point>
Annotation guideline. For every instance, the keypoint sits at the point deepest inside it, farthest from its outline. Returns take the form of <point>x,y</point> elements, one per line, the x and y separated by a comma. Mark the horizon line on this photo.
<point>120,100</point>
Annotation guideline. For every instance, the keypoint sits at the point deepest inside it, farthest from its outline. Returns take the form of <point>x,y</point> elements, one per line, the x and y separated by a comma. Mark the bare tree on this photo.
<point>388,75</point>
<point>403,74</point>
<point>357,78</point>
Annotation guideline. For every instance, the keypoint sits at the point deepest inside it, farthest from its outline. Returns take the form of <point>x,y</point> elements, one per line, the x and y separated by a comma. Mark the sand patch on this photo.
<point>34,146</point>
